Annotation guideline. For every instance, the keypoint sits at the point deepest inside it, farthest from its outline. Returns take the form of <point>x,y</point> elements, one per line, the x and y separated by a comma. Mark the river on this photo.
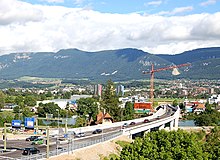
<point>186,123</point>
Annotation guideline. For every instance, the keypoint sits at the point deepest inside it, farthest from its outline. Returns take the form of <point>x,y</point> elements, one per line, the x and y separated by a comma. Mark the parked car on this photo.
<point>132,123</point>
<point>32,138</point>
<point>32,150</point>
<point>38,141</point>
<point>146,120</point>
<point>78,135</point>
<point>97,131</point>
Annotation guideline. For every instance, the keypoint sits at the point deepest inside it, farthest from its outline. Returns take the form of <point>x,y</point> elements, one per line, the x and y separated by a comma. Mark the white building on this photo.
<point>62,103</point>
<point>214,99</point>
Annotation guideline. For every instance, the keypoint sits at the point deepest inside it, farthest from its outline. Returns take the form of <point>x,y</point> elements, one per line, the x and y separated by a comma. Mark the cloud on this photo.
<point>209,2</point>
<point>19,12</point>
<point>176,11</point>
<point>78,2</point>
<point>153,3</point>
<point>53,1</point>
<point>33,28</point>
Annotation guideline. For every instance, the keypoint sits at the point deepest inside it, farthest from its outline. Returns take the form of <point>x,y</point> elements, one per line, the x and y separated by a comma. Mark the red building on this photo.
<point>143,107</point>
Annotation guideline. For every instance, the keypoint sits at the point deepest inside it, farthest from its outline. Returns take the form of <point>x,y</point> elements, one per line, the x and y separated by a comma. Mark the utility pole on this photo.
<point>48,143</point>
<point>5,138</point>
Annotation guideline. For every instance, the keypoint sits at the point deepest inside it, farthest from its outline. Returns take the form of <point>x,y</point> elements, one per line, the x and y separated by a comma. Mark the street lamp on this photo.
<point>58,119</point>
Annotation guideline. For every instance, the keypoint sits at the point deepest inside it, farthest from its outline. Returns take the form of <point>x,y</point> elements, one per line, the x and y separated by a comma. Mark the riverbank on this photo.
<point>194,128</point>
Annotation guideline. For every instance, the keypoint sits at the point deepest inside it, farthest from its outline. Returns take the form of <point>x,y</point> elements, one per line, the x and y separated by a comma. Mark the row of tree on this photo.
<point>173,145</point>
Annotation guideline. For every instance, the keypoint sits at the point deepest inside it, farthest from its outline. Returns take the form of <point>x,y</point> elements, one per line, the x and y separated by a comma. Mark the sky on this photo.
<point>154,26</point>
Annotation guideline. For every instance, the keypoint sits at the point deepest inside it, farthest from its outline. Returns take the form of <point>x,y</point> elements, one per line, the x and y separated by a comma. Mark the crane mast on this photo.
<point>152,71</point>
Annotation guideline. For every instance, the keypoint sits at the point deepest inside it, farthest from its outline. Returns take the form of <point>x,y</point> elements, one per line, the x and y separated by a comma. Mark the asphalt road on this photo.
<point>20,144</point>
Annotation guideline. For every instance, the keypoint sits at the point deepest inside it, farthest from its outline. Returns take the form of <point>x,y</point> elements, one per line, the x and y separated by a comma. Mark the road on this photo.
<point>55,143</point>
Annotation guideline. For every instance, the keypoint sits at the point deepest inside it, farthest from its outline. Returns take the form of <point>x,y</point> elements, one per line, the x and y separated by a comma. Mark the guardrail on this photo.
<point>70,147</point>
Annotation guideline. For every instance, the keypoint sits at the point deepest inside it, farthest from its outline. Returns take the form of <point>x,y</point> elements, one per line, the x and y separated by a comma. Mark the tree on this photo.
<point>207,118</point>
<point>19,100</point>
<point>162,145</point>
<point>66,95</point>
<point>110,101</point>
<point>175,103</point>
<point>2,100</point>
<point>30,101</point>
<point>87,106</point>
<point>26,112</point>
<point>128,111</point>
<point>48,108</point>
<point>213,144</point>
<point>80,121</point>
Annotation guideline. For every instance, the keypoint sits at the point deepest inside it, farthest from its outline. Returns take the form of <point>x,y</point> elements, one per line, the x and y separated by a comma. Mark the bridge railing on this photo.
<point>71,146</point>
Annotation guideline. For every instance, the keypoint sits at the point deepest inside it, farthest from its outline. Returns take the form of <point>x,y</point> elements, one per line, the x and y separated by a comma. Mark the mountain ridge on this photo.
<point>121,64</point>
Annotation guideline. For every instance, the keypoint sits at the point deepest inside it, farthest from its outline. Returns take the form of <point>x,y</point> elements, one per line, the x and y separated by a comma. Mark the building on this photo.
<point>214,99</point>
<point>198,108</point>
<point>104,118</point>
<point>98,90</point>
<point>143,107</point>
<point>211,90</point>
<point>120,90</point>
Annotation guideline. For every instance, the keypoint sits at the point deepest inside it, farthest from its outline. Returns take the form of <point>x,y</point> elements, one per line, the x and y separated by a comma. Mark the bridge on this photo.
<point>166,117</point>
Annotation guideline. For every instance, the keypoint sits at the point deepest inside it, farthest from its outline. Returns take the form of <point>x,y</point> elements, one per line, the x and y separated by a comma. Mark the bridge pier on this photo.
<point>162,127</point>
<point>171,125</point>
<point>176,121</point>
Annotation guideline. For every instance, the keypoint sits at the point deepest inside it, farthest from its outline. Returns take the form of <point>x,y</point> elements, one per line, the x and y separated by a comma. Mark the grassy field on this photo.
<point>31,79</point>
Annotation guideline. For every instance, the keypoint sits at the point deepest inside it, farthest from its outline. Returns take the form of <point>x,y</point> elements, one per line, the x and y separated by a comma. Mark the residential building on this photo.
<point>198,108</point>
<point>120,90</point>
<point>98,90</point>
<point>214,99</point>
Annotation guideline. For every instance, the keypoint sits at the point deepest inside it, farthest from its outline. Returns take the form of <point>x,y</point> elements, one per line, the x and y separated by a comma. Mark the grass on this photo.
<point>30,79</point>
<point>122,143</point>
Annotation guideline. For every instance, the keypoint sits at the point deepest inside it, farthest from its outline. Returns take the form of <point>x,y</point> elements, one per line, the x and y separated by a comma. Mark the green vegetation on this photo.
<point>87,106</point>
<point>110,101</point>
<point>128,111</point>
<point>210,117</point>
<point>181,145</point>
<point>122,143</point>
<point>37,79</point>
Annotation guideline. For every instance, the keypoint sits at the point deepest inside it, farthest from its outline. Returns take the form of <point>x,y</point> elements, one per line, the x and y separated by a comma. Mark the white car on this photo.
<point>78,135</point>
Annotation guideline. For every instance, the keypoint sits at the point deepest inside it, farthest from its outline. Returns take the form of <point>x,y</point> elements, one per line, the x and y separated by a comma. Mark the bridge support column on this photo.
<point>146,132</point>
<point>171,125</point>
<point>162,127</point>
<point>176,121</point>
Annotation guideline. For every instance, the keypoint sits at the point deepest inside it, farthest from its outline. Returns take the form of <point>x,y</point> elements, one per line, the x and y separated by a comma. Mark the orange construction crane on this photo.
<point>158,70</point>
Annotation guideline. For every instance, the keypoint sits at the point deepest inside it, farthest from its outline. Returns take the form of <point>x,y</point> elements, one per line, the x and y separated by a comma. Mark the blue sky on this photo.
<point>139,6</point>
<point>156,26</point>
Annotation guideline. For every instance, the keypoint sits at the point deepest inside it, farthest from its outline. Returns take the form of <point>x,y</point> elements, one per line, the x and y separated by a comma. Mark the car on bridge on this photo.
<point>125,125</point>
<point>97,131</point>
<point>81,134</point>
<point>29,151</point>
<point>158,117</point>
<point>146,121</point>
<point>132,123</point>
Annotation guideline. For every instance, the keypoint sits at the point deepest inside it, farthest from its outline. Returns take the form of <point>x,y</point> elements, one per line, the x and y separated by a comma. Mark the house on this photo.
<point>104,118</point>
<point>198,108</point>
